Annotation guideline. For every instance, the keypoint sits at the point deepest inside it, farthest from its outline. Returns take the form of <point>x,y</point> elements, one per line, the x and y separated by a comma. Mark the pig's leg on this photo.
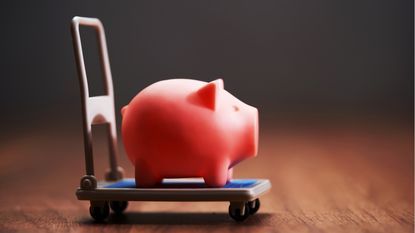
<point>144,176</point>
<point>217,176</point>
<point>230,174</point>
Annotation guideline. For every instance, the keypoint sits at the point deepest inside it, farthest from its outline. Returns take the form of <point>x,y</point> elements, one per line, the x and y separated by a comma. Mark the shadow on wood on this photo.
<point>171,218</point>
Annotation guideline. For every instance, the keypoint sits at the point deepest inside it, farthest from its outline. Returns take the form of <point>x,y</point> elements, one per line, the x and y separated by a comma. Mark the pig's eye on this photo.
<point>235,108</point>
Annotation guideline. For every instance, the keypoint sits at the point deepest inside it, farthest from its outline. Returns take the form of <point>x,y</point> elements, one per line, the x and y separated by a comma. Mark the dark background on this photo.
<point>315,60</point>
<point>333,81</point>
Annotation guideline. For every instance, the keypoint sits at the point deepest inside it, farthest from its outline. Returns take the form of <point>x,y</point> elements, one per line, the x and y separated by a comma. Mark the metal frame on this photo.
<point>96,109</point>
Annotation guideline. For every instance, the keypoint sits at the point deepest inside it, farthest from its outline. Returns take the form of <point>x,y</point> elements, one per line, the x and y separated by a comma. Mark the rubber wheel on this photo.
<point>99,213</point>
<point>254,206</point>
<point>236,214</point>
<point>118,206</point>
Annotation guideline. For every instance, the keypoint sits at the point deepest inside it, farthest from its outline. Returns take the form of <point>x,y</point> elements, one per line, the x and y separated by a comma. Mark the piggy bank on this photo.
<point>182,128</point>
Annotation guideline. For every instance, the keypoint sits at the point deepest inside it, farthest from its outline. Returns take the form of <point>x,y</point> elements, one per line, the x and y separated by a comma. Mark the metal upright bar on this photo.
<point>96,109</point>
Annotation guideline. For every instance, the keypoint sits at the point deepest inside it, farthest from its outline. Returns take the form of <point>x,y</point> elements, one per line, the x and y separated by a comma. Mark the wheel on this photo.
<point>118,206</point>
<point>99,212</point>
<point>254,206</point>
<point>236,213</point>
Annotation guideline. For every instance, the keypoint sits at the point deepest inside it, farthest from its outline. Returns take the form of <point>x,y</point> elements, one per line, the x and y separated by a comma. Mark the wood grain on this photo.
<point>352,177</point>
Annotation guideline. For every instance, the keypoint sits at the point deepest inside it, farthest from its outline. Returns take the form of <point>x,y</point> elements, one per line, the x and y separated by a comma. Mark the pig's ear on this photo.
<point>219,83</point>
<point>208,93</point>
<point>123,109</point>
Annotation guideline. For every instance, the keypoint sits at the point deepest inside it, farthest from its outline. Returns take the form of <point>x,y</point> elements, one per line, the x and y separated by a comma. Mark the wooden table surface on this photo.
<point>335,177</point>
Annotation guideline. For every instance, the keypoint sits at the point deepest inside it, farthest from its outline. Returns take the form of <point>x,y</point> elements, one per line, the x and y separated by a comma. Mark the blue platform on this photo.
<point>184,183</point>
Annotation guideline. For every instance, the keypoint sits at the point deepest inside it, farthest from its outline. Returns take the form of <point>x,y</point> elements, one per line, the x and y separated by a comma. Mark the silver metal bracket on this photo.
<point>111,175</point>
<point>88,182</point>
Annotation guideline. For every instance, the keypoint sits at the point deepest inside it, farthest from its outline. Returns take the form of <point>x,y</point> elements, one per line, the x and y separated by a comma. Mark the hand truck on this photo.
<point>115,191</point>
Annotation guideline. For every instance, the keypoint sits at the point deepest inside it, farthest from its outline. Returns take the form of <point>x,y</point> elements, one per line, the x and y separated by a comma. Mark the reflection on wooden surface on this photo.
<point>343,178</point>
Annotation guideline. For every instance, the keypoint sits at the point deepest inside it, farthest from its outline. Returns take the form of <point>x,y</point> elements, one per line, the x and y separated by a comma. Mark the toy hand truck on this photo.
<point>115,192</point>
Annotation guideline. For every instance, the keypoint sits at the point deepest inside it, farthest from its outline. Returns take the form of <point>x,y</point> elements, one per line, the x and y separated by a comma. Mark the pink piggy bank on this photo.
<point>181,128</point>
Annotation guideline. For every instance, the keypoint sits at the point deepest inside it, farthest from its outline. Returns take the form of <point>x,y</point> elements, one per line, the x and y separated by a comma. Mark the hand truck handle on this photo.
<point>97,109</point>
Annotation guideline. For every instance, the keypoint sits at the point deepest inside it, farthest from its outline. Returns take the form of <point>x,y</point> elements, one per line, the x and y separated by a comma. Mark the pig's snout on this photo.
<point>252,132</point>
